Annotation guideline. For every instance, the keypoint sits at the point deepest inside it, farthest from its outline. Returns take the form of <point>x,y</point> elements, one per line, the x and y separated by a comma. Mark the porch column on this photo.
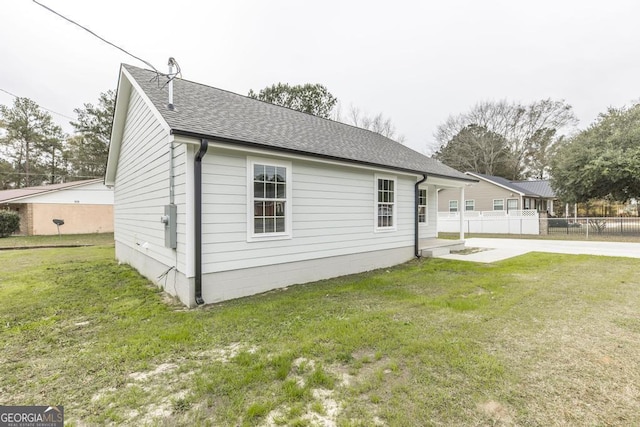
<point>461,210</point>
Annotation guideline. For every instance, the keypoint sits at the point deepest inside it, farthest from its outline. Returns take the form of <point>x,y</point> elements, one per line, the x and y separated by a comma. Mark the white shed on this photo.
<point>221,196</point>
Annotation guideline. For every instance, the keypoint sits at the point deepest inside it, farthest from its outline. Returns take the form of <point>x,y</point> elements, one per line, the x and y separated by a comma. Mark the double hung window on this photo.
<point>385,203</point>
<point>422,205</point>
<point>269,199</point>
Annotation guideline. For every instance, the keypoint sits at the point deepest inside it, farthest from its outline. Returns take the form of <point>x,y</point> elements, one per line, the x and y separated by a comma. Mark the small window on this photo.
<point>453,206</point>
<point>385,203</point>
<point>422,205</point>
<point>512,204</point>
<point>269,198</point>
<point>498,204</point>
<point>469,205</point>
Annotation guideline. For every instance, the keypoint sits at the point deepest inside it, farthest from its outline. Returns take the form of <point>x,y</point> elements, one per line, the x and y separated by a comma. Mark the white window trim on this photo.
<point>377,229</point>
<point>457,207</point>
<point>508,200</point>
<point>426,206</point>
<point>503,206</point>
<point>473,201</point>
<point>261,237</point>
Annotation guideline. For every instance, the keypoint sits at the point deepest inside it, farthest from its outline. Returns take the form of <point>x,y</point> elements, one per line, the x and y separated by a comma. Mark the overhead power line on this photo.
<point>95,35</point>
<point>44,108</point>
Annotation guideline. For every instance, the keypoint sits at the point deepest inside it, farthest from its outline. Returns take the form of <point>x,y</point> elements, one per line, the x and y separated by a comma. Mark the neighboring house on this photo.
<point>84,206</point>
<point>219,196</point>
<point>494,193</point>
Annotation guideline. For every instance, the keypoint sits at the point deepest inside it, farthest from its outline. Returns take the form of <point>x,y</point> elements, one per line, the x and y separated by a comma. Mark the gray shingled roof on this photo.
<point>539,188</point>
<point>214,113</point>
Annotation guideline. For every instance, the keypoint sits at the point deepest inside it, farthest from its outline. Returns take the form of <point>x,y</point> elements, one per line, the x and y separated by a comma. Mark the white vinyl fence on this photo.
<point>496,222</point>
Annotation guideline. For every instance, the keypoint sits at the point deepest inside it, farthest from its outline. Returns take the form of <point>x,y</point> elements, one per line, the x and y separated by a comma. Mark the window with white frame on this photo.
<point>453,206</point>
<point>469,205</point>
<point>498,204</point>
<point>269,198</point>
<point>385,203</point>
<point>422,205</point>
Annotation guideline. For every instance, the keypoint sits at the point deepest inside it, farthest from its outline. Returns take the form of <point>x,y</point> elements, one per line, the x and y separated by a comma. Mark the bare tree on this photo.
<point>530,131</point>
<point>378,123</point>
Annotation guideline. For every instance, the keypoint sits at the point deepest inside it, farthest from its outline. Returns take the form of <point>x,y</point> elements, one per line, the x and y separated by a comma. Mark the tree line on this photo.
<point>540,141</point>
<point>35,151</point>
<point>508,139</point>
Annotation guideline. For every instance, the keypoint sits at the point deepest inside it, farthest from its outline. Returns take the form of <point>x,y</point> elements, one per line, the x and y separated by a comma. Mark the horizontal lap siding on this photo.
<point>142,183</point>
<point>180,199</point>
<point>482,193</point>
<point>333,214</point>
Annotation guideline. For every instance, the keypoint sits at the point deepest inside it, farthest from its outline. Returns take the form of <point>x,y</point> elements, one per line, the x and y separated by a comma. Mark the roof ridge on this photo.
<point>271,104</point>
<point>210,112</point>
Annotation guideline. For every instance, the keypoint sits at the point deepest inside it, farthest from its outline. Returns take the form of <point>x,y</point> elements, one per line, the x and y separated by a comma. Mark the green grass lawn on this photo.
<point>535,340</point>
<point>62,240</point>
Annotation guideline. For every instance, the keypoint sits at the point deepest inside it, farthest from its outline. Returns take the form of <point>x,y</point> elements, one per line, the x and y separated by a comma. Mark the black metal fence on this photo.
<point>602,226</point>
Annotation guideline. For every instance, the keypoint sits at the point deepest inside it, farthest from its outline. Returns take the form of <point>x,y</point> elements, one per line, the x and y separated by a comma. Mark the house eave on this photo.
<point>126,84</point>
<point>497,184</point>
<point>255,145</point>
<point>21,199</point>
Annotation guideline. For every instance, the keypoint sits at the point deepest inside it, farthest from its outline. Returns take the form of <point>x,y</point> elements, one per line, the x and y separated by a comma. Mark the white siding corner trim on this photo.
<point>252,198</point>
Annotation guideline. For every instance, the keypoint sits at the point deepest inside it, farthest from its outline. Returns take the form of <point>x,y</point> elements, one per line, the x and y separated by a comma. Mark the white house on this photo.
<point>219,196</point>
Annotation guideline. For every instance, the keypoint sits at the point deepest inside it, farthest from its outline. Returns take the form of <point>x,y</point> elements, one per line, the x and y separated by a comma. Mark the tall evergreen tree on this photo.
<point>88,149</point>
<point>28,130</point>
<point>309,98</point>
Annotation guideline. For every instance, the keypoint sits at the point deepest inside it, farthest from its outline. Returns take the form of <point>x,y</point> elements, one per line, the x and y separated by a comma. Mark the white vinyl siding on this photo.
<point>331,214</point>
<point>142,183</point>
<point>498,204</point>
<point>95,193</point>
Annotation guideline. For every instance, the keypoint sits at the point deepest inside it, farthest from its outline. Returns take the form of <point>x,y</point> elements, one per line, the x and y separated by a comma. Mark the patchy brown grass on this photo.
<point>534,340</point>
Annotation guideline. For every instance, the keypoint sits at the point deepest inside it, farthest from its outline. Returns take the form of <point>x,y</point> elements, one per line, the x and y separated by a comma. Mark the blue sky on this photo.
<point>416,62</point>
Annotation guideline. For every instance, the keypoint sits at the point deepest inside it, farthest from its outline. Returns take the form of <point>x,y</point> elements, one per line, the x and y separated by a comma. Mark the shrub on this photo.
<point>9,223</point>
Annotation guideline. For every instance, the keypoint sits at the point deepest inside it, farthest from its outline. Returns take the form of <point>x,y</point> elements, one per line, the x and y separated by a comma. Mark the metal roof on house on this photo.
<point>16,194</point>
<point>208,112</point>
<point>539,188</point>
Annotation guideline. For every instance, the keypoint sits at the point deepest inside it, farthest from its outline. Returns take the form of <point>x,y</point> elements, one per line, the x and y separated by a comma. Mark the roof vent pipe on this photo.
<point>172,73</point>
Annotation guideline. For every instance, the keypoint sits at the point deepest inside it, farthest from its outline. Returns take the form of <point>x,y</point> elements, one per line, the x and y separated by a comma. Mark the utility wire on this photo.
<point>95,35</point>
<point>51,111</point>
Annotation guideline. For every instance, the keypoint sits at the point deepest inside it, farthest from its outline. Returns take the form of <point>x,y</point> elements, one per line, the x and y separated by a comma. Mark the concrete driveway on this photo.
<point>491,250</point>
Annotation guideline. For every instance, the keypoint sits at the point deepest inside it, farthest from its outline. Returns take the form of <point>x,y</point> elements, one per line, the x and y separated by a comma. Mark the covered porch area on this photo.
<point>427,243</point>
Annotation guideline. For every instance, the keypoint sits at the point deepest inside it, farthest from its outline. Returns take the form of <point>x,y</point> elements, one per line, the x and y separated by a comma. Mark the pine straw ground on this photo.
<point>536,340</point>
